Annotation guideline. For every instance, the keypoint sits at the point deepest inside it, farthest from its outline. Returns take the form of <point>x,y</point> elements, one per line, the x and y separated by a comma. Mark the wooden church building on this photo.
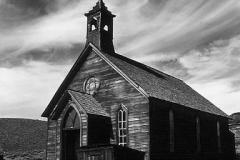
<point>110,107</point>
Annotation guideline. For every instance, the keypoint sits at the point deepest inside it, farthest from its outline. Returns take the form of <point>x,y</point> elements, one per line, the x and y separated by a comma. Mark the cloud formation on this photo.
<point>197,41</point>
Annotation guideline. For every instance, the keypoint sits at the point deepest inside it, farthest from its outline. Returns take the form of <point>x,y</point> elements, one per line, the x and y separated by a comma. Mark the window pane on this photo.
<point>77,122</point>
<point>120,140</point>
<point>124,132</point>
<point>124,115</point>
<point>124,125</point>
<point>121,132</point>
<point>120,125</point>
<point>125,139</point>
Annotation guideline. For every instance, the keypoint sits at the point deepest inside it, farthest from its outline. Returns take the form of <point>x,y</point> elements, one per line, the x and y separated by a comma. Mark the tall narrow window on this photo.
<point>122,126</point>
<point>171,127</point>
<point>198,135</point>
<point>219,137</point>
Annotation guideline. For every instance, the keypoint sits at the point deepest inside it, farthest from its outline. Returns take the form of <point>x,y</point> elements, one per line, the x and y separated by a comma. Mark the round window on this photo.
<point>91,85</point>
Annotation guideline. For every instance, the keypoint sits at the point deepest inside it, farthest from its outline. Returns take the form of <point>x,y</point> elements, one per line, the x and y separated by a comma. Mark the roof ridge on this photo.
<point>163,86</point>
<point>145,67</point>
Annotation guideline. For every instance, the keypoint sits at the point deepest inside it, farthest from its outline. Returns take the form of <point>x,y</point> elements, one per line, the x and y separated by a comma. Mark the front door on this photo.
<point>70,135</point>
<point>71,142</point>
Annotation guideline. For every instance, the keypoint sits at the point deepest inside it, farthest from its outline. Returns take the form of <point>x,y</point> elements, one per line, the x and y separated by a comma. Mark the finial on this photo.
<point>100,2</point>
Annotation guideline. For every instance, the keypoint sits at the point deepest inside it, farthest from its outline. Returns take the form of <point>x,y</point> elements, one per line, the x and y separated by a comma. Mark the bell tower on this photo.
<point>100,27</point>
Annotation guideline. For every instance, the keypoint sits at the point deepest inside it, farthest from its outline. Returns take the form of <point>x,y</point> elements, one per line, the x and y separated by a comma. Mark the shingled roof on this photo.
<point>154,83</point>
<point>163,86</point>
<point>84,102</point>
<point>88,103</point>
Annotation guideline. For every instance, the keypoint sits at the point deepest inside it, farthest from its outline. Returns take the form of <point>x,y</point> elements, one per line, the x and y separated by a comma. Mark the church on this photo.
<point>110,107</point>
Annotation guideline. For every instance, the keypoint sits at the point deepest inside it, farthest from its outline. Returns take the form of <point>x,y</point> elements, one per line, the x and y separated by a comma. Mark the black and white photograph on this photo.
<point>119,80</point>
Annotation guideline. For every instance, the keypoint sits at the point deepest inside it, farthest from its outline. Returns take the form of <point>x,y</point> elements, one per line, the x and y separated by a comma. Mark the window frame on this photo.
<point>73,119</point>
<point>87,85</point>
<point>124,128</point>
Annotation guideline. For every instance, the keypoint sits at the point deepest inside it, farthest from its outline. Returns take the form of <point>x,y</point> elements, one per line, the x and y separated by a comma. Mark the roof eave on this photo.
<point>63,86</point>
<point>223,115</point>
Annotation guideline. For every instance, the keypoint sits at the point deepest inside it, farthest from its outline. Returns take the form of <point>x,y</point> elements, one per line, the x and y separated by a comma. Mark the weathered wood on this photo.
<point>51,140</point>
<point>195,133</point>
<point>114,90</point>
<point>109,152</point>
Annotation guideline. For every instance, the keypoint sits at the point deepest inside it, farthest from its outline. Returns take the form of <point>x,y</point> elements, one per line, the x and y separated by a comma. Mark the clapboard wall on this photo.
<point>114,92</point>
<point>189,143</point>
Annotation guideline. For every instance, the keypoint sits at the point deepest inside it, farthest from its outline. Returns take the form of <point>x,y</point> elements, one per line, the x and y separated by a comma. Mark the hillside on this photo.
<point>22,137</point>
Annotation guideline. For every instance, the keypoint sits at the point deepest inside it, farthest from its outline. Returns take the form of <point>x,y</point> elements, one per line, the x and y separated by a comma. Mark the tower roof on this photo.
<point>100,6</point>
<point>101,3</point>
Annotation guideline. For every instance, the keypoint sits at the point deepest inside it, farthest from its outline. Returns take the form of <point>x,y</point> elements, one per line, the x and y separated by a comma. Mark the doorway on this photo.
<point>71,142</point>
<point>70,135</point>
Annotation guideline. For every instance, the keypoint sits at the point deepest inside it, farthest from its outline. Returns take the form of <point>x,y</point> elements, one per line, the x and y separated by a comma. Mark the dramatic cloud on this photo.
<point>27,89</point>
<point>197,41</point>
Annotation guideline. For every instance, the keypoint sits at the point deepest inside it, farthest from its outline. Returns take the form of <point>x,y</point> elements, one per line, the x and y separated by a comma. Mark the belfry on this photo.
<point>100,27</point>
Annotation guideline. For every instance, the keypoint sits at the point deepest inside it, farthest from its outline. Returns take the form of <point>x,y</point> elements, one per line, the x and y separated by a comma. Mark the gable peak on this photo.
<point>100,6</point>
<point>101,3</point>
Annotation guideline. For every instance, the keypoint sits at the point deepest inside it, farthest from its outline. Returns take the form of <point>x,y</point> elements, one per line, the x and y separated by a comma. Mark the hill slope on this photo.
<point>19,136</point>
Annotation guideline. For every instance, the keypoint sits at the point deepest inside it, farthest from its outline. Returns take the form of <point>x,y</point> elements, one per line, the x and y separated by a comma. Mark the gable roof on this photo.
<point>150,82</point>
<point>64,86</point>
<point>163,86</point>
<point>88,103</point>
<point>84,102</point>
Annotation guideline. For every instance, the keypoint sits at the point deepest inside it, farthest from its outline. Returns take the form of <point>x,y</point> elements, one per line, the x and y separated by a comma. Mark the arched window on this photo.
<point>72,120</point>
<point>106,28</point>
<point>93,27</point>
<point>122,126</point>
<point>93,24</point>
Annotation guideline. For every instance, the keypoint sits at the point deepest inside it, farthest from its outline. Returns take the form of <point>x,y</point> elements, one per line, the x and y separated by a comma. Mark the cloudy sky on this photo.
<point>197,41</point>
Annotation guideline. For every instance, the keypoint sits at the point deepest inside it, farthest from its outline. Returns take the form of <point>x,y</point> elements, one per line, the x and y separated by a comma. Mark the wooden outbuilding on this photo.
<point>110,107</point>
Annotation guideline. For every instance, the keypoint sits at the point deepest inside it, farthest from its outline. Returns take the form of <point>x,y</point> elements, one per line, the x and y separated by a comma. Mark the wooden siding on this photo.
<point>109,152</point>
<point>159,130</point>
<point>51,140</point>
<point>185,134</point>
<point>114,90</point>
<point>54,135</point>
<point>208,135</point>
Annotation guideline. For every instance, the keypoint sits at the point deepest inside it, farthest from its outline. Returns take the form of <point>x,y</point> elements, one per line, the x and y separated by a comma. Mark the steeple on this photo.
<point>100,3</point>
<point>100,27</point>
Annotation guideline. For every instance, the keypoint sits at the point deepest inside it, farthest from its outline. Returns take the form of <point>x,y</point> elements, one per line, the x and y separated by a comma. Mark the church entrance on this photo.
<point>71,143</point>
<point>70,135</point>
